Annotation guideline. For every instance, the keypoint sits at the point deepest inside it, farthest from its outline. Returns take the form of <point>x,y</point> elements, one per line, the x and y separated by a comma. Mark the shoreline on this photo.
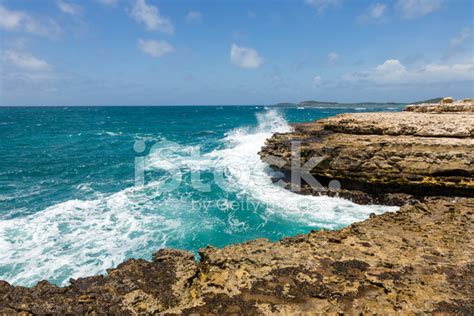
<point>417,259</point>
<point>383,158</point>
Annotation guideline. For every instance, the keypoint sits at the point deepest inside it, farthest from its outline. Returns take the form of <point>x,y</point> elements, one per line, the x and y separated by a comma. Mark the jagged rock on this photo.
<point>414,261</point>
<point>135,286</point>
<point>377,154</point>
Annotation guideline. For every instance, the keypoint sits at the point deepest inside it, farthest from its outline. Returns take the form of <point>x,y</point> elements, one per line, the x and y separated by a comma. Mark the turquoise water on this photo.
<point>70,207</point>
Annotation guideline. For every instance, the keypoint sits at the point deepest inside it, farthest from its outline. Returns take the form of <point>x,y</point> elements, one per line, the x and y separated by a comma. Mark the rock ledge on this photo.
<point>383,157</point>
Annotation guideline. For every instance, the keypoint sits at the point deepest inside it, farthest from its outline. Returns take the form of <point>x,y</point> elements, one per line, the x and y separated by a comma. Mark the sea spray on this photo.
<point>80,237</point>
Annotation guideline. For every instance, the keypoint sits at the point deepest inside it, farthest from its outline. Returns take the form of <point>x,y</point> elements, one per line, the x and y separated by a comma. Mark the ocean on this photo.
<point>84,188</point>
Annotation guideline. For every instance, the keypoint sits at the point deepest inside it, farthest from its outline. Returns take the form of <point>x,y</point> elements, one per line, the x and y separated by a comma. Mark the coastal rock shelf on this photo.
<point>416,260</point>
<point>466,105</point>
<point>384,157</point>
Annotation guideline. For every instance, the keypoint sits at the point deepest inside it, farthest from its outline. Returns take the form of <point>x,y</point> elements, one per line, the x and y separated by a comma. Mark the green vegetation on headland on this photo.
<point>435,100</point>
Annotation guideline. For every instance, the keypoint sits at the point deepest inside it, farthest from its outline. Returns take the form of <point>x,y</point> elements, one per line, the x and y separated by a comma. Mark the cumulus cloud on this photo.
<point>374,12</point>
<point>69,8</point>
<point>392,71</point>
<point>150,16</point>
<point>322,5</point>
<point>11,20</point>
<point>194,17</point>
<point>245,57</point>
<point>25,61</point>
<point>417,8</point>
<point>155,48</point>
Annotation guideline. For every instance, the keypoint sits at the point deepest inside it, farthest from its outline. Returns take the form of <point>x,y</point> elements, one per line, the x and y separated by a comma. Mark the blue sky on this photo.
<point>171,52</point>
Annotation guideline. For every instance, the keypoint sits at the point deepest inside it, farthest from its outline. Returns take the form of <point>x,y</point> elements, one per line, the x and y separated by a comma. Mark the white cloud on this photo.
<point>455,72</point>
<point>317,80</point>
<point>392,71</point>
<point>150,16</point>
<point>416,8</point>
<point>69,8</point>
<point>322,5</point>
<point>245,57</point>
<point>377,10</point>
<point>11,20</point>
<point>25,61</point>
<point>194,17</point>
<point>333,57</point>
<point>155,48</point>
<point>374,12</point>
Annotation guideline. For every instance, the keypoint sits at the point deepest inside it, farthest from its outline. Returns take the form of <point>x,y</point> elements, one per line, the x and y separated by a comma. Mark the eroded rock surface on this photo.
<point>376,155</point>
<point>449,125</point>
<point>417,260</point>
<point>466,105</point>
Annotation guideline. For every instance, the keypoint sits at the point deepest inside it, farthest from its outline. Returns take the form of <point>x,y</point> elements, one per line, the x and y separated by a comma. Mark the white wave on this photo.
<point>83,237</point>
<point>252,177</point>
<point>113,134</point>
<point>78,238</point>
<point>85,187</point>
<point>147,137</point>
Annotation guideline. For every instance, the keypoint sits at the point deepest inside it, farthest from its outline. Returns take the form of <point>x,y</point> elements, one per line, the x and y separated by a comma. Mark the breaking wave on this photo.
<point>77,238</point>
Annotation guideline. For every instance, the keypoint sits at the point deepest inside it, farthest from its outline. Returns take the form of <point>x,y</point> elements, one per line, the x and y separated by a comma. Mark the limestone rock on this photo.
<point>465,105</point>
<point>447,100</point>
<point>377,154</point>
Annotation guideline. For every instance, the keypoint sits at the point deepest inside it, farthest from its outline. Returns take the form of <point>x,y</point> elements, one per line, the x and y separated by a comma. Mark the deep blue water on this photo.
<point>69,205</point>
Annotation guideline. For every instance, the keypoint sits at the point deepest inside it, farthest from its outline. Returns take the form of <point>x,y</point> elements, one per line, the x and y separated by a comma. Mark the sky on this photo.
<point>216,52</point>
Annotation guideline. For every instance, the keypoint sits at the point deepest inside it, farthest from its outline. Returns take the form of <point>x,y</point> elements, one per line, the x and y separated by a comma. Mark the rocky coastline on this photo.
<point>385,158</point>
<point>416,260</point>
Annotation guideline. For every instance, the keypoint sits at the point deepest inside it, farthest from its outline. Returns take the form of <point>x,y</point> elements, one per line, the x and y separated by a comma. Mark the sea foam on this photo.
<point>78,238</point>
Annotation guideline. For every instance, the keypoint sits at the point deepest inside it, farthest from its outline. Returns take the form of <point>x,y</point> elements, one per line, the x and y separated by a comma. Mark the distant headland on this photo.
<point>313,103</point>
